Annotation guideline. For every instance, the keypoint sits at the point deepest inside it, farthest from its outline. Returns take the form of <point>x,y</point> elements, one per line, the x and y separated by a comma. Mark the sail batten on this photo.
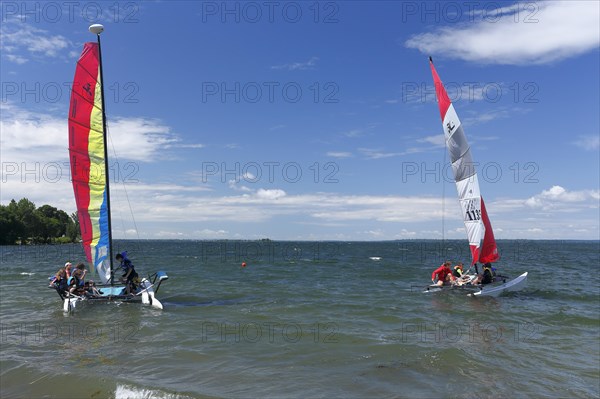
<point>87,157</point>
<point>476,220</point>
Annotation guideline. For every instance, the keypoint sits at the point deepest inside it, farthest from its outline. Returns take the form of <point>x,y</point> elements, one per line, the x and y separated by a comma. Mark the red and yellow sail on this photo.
<point>475,216</point>
<point>86,154</point>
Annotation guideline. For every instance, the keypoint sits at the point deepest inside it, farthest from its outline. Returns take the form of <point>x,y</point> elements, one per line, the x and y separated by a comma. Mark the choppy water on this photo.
<point>306,319</point>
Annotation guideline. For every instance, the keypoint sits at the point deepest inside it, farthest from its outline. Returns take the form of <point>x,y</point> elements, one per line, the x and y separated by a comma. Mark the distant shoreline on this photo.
<point>454,240</point>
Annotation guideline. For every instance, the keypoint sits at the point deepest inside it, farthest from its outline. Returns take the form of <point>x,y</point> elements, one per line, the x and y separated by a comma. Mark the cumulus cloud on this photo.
<point>38,137</point>
<point>558,197</point>
<point>270,194</point>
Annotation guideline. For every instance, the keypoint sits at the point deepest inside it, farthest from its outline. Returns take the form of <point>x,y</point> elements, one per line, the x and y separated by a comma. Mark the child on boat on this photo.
<point>78,285</point>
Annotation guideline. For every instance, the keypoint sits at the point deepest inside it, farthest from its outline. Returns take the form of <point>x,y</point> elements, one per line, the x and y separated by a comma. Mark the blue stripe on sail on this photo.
<point>102,250</point>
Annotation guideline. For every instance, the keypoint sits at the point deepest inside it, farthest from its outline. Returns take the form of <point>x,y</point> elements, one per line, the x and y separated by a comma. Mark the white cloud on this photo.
<point>558,30</point>
<point>310,64</point>
<point>28,39</point>
<point>270,194</point>
<point>588,143</point>
<point>373,153</point>
<point>339,154</point>
<point>558,198</point>
<point>38,137</point>
<point>17,59</point>
<point>436,140</point>
<point>208,233</point>
<point>141,139</point>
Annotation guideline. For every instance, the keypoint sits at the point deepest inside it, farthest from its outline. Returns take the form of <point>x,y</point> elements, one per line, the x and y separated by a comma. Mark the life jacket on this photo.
<point>488,275</point>
<point>457,271</point>
<point>76,281</point>
<point>61,284</point>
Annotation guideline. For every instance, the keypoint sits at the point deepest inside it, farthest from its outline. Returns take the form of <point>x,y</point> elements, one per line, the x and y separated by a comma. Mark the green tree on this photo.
<point>10,227</point>
<point>22,222</point>
<point>73,227</point>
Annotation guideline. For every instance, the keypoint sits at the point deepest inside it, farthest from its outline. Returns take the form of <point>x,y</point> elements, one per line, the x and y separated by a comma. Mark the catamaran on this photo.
<point>477,223</point>
<point>88,156</point>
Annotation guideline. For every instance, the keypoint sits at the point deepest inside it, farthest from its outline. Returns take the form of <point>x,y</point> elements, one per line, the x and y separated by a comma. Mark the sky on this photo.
<point>312,120</point>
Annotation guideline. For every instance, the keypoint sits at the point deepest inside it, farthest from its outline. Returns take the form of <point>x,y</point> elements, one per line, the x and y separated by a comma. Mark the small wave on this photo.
<point>129,392</point>
<point>375,258</point>
<point>26,274</point>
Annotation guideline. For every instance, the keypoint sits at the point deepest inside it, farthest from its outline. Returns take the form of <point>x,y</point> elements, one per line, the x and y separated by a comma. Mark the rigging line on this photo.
<point>443,176</point>
<point>112,144</point>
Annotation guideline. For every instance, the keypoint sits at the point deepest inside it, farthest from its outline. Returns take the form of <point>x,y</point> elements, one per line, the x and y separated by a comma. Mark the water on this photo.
<point>306,319</point>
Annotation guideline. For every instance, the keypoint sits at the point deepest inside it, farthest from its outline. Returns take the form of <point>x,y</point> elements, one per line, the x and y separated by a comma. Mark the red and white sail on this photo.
<point>477,223</point>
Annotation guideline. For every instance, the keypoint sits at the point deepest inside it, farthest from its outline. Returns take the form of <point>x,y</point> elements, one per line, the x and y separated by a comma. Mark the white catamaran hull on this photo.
<point>115,294</point>
<point>494,290</point>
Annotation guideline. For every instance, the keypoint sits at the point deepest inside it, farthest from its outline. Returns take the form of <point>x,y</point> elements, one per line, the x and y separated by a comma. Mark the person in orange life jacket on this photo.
<point>443,274</point>
<point>130,276</point>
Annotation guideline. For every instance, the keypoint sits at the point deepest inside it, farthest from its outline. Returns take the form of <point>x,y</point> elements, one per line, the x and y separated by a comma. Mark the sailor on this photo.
<point>486,277</point>
<point>68,267</point>
<point>59,281</point>
<point>458,270</point>
<point>76,283</point>
<point>130,276</point>
<point>443,274</point>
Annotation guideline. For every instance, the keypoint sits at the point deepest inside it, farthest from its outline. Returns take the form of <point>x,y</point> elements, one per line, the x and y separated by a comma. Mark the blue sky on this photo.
<point>313,120</point>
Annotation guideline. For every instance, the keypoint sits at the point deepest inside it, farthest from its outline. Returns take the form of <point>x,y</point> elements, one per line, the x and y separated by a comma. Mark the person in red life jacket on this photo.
<point>443,274</point>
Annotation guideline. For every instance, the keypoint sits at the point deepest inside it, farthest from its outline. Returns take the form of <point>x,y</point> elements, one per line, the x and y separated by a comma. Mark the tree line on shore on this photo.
<point>22,223</point>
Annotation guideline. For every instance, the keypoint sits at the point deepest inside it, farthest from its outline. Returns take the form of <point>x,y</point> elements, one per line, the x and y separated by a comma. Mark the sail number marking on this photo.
<point>473,215</point>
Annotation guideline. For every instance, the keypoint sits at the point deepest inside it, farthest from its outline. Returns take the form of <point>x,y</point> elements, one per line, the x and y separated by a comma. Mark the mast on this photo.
<point>97,29</point>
